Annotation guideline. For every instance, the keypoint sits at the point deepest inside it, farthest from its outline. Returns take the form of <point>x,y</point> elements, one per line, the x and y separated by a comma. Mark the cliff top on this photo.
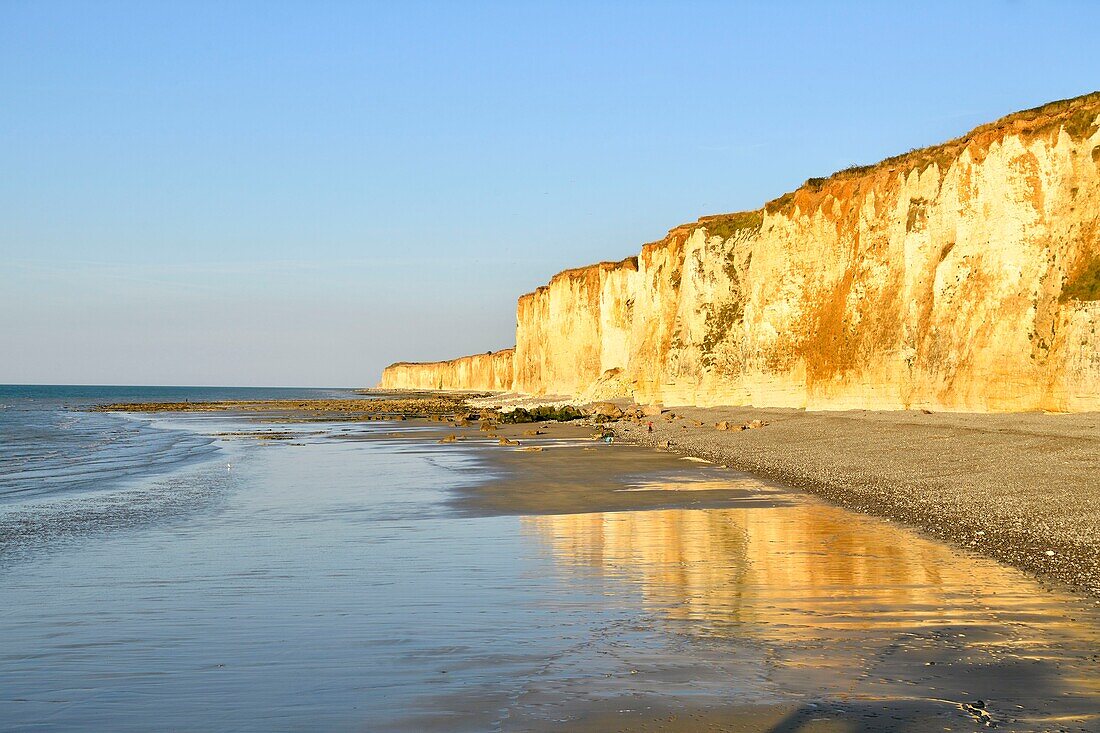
<point>630,263</point>
<point>498,352</point>
<point>1077,116</point>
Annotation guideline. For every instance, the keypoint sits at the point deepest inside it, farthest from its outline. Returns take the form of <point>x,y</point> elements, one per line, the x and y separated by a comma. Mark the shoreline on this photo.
<point>866,621</point>
<point>675,594</point>
<point>1022,489</point>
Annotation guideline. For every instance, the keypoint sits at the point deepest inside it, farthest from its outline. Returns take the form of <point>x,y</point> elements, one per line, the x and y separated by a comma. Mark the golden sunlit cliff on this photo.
<point>490,372</point>
<point>964,276</point>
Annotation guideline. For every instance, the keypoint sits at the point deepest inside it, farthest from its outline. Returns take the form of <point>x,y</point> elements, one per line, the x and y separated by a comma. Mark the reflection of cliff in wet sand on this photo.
<point>800,564</point>
<point>849,608</point>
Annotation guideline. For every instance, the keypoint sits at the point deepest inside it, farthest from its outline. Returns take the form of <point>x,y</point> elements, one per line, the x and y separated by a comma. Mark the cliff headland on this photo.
<point>961,277</point>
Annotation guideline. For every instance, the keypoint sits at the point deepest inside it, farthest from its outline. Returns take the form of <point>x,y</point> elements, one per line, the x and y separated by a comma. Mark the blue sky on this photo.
<point>299,193</point>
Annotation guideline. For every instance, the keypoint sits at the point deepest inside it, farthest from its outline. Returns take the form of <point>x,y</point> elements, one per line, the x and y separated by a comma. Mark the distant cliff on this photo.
<point>965,276</point>
<point>491,372</point>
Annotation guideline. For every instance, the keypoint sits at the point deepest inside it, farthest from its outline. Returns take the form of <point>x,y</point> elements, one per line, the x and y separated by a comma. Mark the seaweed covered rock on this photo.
<point>541,414</point>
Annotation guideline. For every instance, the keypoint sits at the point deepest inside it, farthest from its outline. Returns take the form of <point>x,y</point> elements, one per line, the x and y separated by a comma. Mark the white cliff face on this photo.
<point>958,278</point>
<point>490,372</point>
<point>572,331</point>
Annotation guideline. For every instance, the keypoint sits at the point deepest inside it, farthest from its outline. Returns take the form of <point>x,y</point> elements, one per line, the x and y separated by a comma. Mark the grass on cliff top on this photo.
<point>1085,285</point>
<point>726,225</point>
<point>1077,116</point>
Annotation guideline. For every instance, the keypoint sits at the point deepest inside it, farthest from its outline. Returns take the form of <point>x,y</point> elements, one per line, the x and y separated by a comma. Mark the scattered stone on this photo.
<point>978,712</point>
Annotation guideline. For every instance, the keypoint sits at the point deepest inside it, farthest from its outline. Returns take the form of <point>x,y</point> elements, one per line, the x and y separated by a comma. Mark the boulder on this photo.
<point>606,409</point>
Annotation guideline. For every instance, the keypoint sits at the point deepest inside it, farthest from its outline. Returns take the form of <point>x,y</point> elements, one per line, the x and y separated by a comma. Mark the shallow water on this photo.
<point>52,447</point>
<point>320,583</point>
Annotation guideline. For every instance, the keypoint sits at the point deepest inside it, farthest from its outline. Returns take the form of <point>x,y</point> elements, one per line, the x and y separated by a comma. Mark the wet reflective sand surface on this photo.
<point>346,578</point>
<point>861,617</point>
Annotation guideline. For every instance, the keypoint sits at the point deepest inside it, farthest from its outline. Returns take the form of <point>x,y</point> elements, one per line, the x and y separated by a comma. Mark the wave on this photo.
<point>53,452</point>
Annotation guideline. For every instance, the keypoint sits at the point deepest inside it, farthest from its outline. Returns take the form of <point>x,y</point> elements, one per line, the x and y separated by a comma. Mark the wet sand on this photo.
<point>838,621</point>
<point>1021,488</point>
<point>565,471</point>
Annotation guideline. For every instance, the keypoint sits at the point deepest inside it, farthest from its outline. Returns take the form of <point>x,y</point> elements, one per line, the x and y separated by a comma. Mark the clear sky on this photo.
<point>299,193</point>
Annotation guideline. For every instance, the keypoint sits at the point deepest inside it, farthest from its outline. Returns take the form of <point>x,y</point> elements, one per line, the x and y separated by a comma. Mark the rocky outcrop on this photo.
<point>962,277</point>
<point>490,372</point>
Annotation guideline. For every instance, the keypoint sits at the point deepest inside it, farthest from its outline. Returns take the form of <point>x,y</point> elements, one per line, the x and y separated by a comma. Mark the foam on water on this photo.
<point>52,447</point>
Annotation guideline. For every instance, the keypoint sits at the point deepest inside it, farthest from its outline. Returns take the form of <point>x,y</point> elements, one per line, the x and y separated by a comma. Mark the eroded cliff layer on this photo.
<point>490,372</point>
<point>964,276</point>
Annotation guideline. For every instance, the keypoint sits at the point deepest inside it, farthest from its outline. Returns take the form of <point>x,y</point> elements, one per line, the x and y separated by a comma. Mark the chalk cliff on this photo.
<point>490,372</point>
<point>964,276</point>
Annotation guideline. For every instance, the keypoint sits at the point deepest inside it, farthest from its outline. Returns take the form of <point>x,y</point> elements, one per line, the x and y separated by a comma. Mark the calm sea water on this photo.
<point>189,574</point>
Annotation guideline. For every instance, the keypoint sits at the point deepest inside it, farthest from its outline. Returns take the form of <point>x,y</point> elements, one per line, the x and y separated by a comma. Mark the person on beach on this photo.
<point>649,427</point>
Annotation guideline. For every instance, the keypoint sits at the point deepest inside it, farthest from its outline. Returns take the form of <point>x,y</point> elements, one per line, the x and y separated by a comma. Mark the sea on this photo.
<point>220,571</point>
<point>54,447</point>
